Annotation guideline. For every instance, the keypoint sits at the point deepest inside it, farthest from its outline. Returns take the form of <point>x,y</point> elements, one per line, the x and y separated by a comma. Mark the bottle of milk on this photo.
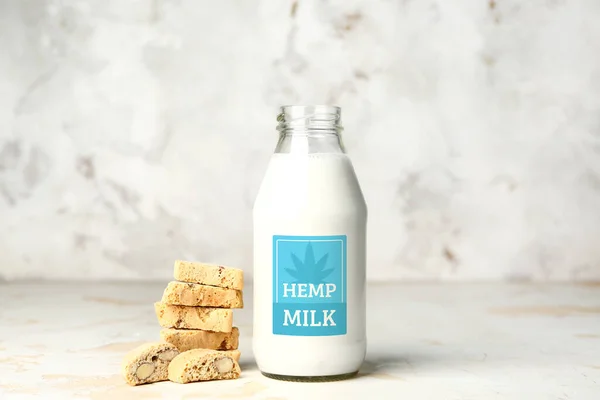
<point>310,222</point>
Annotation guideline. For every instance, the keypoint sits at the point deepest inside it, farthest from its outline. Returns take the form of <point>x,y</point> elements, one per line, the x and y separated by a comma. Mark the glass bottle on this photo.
<point>310,221</point>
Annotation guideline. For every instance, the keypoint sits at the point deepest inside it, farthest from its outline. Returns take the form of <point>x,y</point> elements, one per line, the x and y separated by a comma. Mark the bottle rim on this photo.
<point>319,117</point>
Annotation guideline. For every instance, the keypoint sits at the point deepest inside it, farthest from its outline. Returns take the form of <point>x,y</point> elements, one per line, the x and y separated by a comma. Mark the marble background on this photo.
<point>136,132</point>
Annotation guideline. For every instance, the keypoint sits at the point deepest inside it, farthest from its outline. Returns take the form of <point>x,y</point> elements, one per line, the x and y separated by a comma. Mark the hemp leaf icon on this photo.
<point>308,270</point>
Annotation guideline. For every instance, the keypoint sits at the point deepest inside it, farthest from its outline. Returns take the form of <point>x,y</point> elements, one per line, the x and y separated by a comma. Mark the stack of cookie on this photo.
<point>196,309</point>
<point>199,341</point>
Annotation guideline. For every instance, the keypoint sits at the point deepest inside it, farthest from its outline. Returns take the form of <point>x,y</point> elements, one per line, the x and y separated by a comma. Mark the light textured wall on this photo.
<point>136,132</point>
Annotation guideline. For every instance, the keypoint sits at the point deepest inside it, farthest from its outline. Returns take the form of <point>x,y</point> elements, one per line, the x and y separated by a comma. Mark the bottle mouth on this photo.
<point>314,117</point>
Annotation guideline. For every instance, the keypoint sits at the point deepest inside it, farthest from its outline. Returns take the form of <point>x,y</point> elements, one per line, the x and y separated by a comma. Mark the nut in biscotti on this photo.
<point>204,365</point>
<point>188,339</point>
<point>148,363</point>
<point>196,295</point>
<point>184,317</point>
<point>209,274</point>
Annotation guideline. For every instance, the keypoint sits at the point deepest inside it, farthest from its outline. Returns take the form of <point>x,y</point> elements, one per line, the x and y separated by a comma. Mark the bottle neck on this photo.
<point>309,130</point>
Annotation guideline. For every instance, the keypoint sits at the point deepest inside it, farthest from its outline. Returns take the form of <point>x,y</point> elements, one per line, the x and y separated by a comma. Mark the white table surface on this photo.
<point>426,341</point>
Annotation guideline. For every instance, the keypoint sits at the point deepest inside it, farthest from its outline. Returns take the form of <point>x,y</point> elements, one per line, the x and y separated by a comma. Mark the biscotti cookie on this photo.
<point>204,365</point>
<point>183,317</point>
<point>209,274</point>
<point>148,363</point>
<point>194,294</point>
<point>186,339</point>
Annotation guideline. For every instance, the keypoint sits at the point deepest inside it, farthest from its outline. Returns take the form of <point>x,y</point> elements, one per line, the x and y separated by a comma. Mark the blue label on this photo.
<point>309,285</point>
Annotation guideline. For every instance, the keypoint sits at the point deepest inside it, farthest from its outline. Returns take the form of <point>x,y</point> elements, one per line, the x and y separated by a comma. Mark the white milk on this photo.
<point>301,291</point>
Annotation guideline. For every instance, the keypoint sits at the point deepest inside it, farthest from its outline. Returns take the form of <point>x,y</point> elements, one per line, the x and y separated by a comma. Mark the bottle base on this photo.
<point>328,378</point>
